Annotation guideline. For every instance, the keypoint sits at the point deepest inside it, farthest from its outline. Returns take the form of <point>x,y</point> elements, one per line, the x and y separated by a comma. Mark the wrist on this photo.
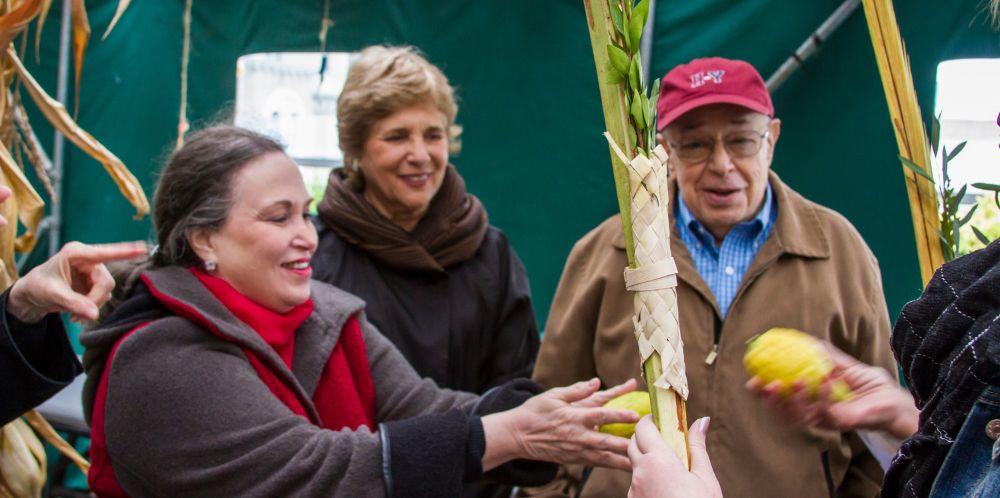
<point>500,432</point>
<point>19,306</point>
<point>906,418</point>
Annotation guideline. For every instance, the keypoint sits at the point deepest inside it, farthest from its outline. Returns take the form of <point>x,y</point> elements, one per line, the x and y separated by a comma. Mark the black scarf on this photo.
<point>947,343</point>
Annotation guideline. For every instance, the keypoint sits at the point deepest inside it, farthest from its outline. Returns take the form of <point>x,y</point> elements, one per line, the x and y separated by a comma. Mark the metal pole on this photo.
<point>59,142</point>
<point>646,45</point>
<point>812,44</point>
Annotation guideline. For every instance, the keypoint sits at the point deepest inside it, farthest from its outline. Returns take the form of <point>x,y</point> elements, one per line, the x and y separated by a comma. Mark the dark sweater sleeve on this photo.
<point>432,439</point>
<point>432,455</point>
<point>36,361</point>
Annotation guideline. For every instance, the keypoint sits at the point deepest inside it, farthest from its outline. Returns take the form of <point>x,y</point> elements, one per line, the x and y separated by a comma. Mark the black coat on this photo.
<point>469,328</point>
<point>36,361</point>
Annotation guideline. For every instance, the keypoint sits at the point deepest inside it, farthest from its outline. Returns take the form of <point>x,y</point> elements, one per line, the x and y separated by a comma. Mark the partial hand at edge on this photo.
<point>658,473</point>
<point>75,280</point>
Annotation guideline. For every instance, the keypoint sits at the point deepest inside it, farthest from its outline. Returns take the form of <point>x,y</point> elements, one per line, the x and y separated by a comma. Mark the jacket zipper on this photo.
<point>710,359</point>
<point>714,353</point>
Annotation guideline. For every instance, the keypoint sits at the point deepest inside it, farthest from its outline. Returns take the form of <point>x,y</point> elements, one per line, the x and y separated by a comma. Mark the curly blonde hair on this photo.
<point>382,80</point>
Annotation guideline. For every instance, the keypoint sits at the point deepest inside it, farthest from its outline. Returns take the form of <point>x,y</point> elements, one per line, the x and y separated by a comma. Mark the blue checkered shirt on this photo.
<point>722,268</point>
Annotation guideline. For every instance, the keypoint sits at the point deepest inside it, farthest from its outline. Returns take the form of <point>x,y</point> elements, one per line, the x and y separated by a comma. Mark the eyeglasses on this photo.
<point>739,145</point>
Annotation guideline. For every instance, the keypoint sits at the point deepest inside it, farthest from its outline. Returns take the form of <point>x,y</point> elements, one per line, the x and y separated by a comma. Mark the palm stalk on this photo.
<point>641,184</point>
<point>911,137</point>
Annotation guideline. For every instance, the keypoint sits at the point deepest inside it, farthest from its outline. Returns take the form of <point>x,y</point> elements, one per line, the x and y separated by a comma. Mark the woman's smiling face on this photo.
<point>403,162</point>
<point>264,247</point>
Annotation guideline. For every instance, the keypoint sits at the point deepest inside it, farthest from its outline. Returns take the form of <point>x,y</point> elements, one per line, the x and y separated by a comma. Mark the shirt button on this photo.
<point>993,429</point>
<point>730,270</point>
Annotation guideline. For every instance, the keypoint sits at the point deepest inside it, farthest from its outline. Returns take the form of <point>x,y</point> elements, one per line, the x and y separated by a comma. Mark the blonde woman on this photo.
<point>398,228</point>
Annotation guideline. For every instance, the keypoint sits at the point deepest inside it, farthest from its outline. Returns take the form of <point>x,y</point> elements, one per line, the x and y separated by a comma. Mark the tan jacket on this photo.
<point>813,273</point>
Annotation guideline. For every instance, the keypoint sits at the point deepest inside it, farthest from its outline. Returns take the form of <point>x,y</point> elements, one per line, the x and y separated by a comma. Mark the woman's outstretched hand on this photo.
<point>560,425</point>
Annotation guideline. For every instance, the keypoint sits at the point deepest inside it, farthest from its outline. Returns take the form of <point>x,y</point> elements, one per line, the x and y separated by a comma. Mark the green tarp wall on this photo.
<point>529,102</point>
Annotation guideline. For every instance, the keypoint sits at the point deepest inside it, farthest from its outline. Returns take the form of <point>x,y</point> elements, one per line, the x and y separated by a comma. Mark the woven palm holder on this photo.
<point>654,282</point>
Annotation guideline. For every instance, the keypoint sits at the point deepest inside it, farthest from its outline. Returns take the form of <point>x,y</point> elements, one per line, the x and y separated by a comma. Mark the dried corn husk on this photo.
<point>16,19</point>
<point>43,13</point>
<point>43,428</point>
<point>182,121</point>
<point>24,205</point>
<point>22,462</point>
<point>911,137</point>
<point>37,156</point>
<point>57,115</point>
<point>81,37</point>
<point>122,6</point>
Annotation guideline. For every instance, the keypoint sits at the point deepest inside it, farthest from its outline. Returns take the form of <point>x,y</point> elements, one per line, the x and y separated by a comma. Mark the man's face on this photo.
<point>720,174</point>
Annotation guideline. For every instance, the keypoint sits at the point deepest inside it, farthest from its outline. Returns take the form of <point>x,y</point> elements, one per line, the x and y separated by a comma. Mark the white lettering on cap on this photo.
<point>700,78</point>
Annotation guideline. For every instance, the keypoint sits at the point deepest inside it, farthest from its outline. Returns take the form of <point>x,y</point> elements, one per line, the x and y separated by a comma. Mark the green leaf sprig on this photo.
<point>624,68</point>
<point>951,200</point>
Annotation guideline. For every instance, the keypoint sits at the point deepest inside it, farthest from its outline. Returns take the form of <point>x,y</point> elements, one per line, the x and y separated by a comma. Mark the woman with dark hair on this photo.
<point>226,371</point>
<point>398,228</point>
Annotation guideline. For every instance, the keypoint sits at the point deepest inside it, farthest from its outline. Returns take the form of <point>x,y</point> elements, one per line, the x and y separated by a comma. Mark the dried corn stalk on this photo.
<point>22,461</point>
<point>122,7</point>
<point>911,137</point>
<point>42,427</point>
<point>61,120</point>
<point>641,183</point>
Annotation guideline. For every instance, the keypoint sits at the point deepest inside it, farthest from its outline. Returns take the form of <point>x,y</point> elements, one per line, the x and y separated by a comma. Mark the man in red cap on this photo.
<point>751,254</point>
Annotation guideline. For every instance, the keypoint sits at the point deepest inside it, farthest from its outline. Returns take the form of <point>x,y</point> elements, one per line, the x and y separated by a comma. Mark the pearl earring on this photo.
<point>210,265</point>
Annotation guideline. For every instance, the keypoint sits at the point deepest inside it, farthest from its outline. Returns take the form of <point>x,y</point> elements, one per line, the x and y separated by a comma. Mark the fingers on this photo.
<point>625,387</point>
<point>614,461</point>
<point>701,466</point>
<point>576,392</point>
<point>647,436</point>
<point>102,253</point>
<point>633,450</point>
<point>62,299</point>
<point>606,442</point>
<point>101,285</point>
<point>841,360</point>
<point>601,397</point>
<point>593,417</point>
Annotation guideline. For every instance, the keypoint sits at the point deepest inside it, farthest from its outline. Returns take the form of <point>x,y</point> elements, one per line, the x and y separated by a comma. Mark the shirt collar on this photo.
<point>757,224</point>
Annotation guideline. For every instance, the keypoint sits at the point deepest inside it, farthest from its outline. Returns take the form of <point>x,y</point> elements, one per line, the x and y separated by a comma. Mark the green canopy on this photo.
<point>529,103</point>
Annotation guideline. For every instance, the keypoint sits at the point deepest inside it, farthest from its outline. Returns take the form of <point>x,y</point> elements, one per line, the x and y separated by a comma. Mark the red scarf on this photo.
<point>344,396</point>
<point>277,329</point>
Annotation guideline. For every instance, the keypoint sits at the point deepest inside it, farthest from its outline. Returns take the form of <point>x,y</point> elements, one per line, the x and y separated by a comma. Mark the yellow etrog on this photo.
<point>637,401</point>
<point>787,356</point>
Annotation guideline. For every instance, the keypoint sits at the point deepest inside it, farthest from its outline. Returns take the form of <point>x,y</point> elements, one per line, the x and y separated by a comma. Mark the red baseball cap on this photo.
<point>712,80</point>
